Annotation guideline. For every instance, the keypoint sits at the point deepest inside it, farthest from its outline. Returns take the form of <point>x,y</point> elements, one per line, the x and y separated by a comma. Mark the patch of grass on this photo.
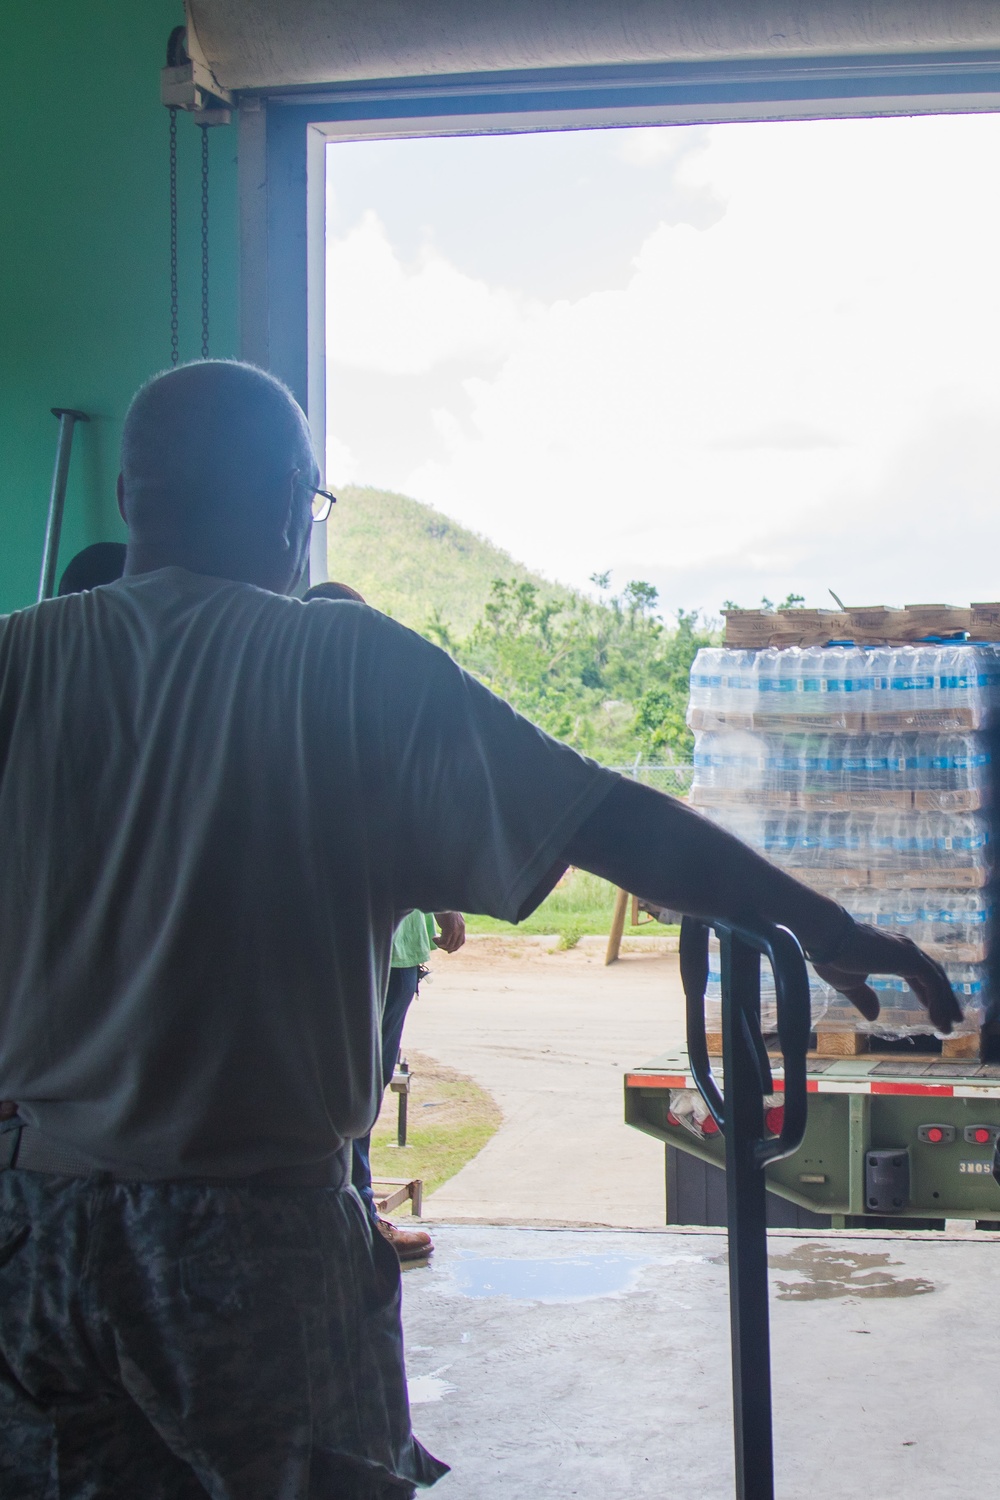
<point>450,1119</point>
<point>581,905</point>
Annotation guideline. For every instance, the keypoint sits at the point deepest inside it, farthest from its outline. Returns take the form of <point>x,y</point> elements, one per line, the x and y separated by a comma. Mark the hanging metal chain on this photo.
<point>173,238</point>
<point>204,242</point>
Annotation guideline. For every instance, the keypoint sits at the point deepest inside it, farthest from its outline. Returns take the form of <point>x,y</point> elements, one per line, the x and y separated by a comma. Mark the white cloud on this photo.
<point>804,394</point>
<point>751,404</point>
<point>647,145</point>
<point>342,466</point>
<point>405,320</point>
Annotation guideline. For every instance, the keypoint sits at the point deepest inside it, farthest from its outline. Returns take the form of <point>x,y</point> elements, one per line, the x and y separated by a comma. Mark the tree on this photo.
<point>607,676</point>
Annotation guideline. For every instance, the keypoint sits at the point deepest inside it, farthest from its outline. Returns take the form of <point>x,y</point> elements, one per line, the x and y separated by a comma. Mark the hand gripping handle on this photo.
<point>791,982</point>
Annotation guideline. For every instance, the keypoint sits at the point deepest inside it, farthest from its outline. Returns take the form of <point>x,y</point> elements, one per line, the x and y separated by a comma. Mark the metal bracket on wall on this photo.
<point>188,83</point>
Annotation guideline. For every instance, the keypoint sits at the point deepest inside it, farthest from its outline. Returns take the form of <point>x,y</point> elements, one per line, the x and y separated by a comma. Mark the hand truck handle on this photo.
<point>791,982</point>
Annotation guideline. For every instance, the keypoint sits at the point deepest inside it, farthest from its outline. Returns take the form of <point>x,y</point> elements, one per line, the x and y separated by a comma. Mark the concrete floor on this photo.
<point>550,1035</point>
<point>595,1365</point>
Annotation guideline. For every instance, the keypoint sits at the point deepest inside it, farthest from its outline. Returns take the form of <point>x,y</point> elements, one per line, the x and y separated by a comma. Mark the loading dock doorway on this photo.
<point>283,137</point>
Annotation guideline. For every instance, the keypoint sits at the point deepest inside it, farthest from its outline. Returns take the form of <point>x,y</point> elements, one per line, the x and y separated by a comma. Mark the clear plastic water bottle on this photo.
<point>901,777</point>
<point>786,760</point>
<point>812,680</point>
<point>907,913</point>
<point>877,751</point>
<point>857,680</point>
<point>707,758</point>
<point>811,841</point>
<point>834,675</point>
<point>913,678</point>
<point>966,762</point>
<point>923,924</point>
<point>927,677</point>
<point>931,918</point>
<point>813,744</point>
<point>768,681</point>
<point>946,849</point>
<point>740,685</point>
<point>854,762</point>
<point>922,839</point>
<point>880,668</point>
<point>706,677</point>
<point>884,910</point>
<point>905,838</point>
<point>969,983</point>
<point>975,839</point>
<point>947,754</point>
<point>919,761</point>
<point>829,763</point>
<point>789,678</point>
<point>956,673</point>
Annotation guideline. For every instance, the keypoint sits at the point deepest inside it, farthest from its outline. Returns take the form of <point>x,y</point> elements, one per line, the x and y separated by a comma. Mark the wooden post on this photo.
<point>617,928</point>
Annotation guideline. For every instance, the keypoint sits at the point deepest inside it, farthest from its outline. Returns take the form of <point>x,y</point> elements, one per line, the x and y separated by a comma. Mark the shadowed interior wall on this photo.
<point>84,264</point>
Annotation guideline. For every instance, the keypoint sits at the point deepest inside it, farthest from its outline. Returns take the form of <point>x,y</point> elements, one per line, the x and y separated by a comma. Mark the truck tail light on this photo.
<point>936,1135</point>
<point>982,1135</point>
<point>708,1126</point>
<point>774,1119</point>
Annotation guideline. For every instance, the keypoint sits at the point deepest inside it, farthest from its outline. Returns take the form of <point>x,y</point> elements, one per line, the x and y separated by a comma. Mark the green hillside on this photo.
<point>410,560</point>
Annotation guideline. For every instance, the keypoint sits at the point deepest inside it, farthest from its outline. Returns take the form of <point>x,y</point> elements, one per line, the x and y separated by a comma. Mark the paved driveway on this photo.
<point>550,1035</point>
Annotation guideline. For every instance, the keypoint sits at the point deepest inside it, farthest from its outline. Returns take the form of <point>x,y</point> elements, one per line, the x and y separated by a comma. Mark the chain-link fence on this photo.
<point>674,778</point>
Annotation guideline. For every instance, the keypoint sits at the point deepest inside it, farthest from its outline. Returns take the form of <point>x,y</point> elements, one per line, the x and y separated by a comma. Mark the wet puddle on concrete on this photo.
<point>826,1273</point>
<point>562,1279</point>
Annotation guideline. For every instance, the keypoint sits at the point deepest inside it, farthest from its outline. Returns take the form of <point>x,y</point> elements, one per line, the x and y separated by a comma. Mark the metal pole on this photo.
<point>404,1067</point>
<point>739,1114</point>
<point>68,419</point>
<point>746,1198</point>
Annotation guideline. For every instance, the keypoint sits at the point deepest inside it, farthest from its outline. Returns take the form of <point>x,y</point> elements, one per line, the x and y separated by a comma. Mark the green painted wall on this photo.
<point>84,257</point>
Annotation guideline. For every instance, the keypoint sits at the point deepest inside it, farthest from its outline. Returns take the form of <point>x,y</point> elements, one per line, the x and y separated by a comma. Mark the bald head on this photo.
<point>217,474</point>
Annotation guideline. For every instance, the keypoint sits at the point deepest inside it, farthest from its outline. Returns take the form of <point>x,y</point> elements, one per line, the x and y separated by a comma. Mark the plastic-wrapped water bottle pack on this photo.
<point>862,772</point>
<point>928,771</point>
<point>953,681</point>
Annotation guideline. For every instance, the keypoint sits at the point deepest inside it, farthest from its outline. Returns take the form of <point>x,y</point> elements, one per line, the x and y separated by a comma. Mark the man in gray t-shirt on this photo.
<point>214,799</point>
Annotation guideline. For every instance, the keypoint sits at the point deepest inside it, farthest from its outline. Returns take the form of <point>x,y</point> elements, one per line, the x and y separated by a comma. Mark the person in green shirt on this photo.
<point>414,942</point>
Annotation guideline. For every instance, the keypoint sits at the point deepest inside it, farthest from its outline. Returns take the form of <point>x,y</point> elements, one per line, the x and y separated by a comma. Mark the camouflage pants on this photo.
<point>166,1341</point>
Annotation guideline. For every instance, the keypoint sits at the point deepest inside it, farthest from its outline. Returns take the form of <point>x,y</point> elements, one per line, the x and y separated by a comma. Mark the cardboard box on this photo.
<point>714,718</point>
<point>753,629</point>
<point>838,723</point>
<point>815,627</point>
<point>985,622</point>
<point>937,720</point>
<point>934,619</point>
<point>968,800</point>
<point>873,624</point>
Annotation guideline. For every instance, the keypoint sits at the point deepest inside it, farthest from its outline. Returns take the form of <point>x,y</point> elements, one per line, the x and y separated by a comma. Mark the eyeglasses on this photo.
<point>322,504</point>
<point>323,501</point>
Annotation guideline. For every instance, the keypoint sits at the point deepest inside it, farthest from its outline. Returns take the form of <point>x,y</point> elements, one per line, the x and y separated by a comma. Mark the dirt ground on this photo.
<point>550,1035</point>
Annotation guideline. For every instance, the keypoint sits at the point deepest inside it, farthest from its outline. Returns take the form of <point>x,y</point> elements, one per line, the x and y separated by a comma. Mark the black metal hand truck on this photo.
<point>739,1114</point>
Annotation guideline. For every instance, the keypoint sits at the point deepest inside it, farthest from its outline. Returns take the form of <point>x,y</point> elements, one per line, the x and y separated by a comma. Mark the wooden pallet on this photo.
<point>858,1044</point>
<point>390,1192</point>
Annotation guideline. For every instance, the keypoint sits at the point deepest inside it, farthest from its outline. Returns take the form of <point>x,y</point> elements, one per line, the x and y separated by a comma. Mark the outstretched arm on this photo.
<point>661,850</point>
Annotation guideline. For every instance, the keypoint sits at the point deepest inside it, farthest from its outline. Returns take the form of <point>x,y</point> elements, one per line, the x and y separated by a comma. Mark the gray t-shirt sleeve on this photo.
<point>475,803</point>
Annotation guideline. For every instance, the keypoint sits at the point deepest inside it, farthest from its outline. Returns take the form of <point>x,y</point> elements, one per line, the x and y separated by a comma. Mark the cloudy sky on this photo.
<point>732,360</point>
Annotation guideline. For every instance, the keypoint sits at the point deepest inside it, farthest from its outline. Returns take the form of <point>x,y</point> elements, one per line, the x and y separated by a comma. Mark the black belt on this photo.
<point>24,1149</point>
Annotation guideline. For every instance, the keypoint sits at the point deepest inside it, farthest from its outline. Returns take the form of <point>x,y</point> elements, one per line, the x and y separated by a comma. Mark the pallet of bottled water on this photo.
<point>864,773</point>
<point>845,688</point>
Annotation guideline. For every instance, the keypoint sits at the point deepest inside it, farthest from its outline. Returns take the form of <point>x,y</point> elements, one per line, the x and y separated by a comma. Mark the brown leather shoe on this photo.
<point>409,1244</point>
